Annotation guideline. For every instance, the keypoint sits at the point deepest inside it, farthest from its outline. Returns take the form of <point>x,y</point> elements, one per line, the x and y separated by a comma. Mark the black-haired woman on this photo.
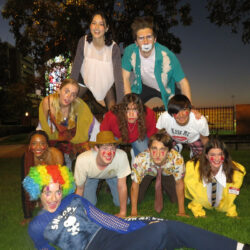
<point>98,63</point>
<point>37,153</point>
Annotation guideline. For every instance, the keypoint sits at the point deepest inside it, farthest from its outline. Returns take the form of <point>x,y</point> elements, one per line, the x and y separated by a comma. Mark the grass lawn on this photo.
<point>14,236</point>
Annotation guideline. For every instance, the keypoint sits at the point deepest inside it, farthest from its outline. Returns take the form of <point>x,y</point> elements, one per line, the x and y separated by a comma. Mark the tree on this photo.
<point>232,13</point>
<point>47,28</point>
<point>15,101</point>
<point>4,73</point>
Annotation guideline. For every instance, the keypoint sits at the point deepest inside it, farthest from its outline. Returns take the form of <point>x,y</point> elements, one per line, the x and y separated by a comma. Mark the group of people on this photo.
<point>147,68</point>
<point>68,130</point>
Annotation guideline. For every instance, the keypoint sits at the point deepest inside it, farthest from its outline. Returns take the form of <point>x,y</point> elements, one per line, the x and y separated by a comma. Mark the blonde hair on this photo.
<point>72,111</point>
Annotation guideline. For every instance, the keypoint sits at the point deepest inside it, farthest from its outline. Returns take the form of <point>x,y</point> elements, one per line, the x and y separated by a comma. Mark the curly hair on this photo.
<point>228,166</point>
<point>42,175</point>
<point>120,110</point>
<point>108,35</point>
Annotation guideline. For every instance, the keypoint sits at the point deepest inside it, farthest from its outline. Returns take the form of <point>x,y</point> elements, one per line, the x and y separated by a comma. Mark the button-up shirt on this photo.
<point>143,165</point>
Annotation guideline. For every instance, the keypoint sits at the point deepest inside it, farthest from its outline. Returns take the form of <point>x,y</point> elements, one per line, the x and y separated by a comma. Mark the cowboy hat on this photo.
<point>105,137</point>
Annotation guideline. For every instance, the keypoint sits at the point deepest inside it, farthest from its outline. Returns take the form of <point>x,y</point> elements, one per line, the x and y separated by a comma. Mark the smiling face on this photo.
<point>158,153</point>
<point>38,145</point>
<point>145,40</point>
<point>105,155</point>
<point>182,117</point>
<point>98,27</point>
<point>51,197</point>
<point>215,157</point>
<point>67,94</point>
<point>132,113</point>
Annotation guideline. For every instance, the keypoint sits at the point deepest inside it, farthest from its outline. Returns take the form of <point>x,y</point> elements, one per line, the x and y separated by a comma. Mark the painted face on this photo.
<point>67,94</point>
<point>182,117</point>
<point>132,113</point>
<point>158,153</point>
<point>38,145</point>
<point>98,27</point>
<point>51,197</point>
<point>145,41</point>
<point>215,157</point>
<point>106,154</point>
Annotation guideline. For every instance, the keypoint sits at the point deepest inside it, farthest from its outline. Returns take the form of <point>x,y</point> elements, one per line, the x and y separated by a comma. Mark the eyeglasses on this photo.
<point>148,37</point>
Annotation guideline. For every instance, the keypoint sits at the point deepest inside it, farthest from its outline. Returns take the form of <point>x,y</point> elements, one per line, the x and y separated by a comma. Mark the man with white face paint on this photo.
<point>107,162</point>
<point>155,67</point>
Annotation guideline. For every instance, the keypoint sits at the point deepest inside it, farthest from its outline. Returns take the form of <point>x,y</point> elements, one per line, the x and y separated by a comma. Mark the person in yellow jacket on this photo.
<point>213,181</point>
<point>67,120</point>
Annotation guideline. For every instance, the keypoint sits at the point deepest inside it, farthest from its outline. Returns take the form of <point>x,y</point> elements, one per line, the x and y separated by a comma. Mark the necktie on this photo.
<point>213,197</point>
<point>158,192</point>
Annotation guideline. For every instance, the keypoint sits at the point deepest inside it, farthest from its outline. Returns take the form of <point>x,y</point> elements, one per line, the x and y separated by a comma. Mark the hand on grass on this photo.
<point>183,215</point>
<point>201,216</point>
<point>25,221</point>
<point>235,217</point>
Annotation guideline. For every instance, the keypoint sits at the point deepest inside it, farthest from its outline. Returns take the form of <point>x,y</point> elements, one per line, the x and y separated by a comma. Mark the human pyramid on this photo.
<point>68,130</point>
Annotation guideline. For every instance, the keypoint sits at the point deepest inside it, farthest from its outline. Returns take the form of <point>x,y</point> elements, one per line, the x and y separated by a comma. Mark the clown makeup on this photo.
<point>38,145</point>
<point>215,157</point>
<point>106,154</point>
<point>158,153</point>
<point>145,41</point>
<point>51,197</point>
<point>146,47</point>
<point>132,113</point>
<point>182,117</point>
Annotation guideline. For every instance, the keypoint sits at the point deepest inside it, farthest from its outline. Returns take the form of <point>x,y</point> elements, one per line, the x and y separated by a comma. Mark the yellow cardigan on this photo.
<point>84,121</point>
<point>195,191</point>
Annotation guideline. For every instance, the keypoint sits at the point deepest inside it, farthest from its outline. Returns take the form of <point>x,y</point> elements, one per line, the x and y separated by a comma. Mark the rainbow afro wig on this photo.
<point>42,175</point>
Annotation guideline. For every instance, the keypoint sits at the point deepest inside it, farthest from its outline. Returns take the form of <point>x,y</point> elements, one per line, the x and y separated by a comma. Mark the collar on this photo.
<point>220,178</point>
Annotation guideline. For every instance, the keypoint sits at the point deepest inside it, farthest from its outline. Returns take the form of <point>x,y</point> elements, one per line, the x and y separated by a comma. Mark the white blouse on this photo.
<point>97,69</point>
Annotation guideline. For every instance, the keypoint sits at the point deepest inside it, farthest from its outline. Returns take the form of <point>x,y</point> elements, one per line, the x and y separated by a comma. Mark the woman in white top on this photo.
<point>97,63</point>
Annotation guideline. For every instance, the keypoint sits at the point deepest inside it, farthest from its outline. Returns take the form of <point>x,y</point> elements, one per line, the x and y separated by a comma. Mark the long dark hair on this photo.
<point>228,166</point>
<point>120,110</point>
<point>108,35</point>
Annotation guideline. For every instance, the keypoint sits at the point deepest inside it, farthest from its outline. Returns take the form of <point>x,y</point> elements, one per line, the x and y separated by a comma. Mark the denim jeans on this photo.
<point>160,236</point>
<point>91,186</point>
<point>139,146</point>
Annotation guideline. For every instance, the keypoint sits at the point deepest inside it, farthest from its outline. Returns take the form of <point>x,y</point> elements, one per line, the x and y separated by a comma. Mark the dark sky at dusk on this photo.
<point>215,61</point>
